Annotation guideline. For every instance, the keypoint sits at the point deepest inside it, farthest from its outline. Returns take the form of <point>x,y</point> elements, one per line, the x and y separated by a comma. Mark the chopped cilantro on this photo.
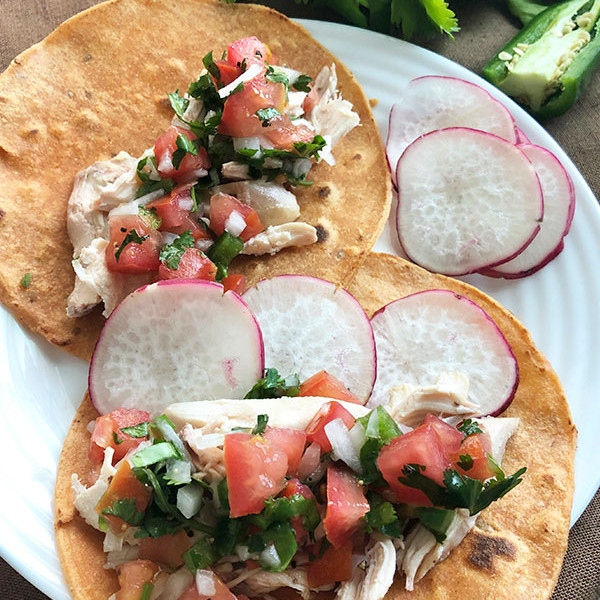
<point>125,509</point>
<point>151,185</point>
<point>136,431</point>
<point>26,281</point>
<point>150,217</point>
<point>272,385</point>
<point>465,462</point>
<point>131,238</point>
<point>301,84</point>
<point>211,66</point>
<point>179,104</point>
<point>283,538</point>
<point>308,149</point>
<point>170,254</point>
<point>382,517</point>
<point>261,424</point>
<point>276,76</point>
<point>460,491</point>
<point>469,427</point>
<point>436,520</point>
<point>116,439</point>
<point>184,146</point>
<point>238,88</point>
<point>267,114</point>
<point>201,555</point>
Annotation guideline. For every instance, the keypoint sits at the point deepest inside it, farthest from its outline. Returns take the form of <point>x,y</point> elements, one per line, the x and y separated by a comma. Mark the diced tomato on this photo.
<point>296,487</point>
<point>134,258</point>
<point>132,577</point>
<point>192,265</point>
<point>164,148</point>
<point>283,134</point>
<point>249,48</point>
<point>290,441</point>
<point>450,437</point>
<point>346,506</point>
<point>311,100</point>
<point>228,71</point>
<point>221,208</point>
<point>335,565</point>
<point>222,592</point>
<point>310,461</point>
<point>123,485</point>
<point>239,113</point>
<point>167,549</point>
<point>107,433</point>
<point>422,446</point>
<point>169,209</point>
<point>477,446</point>
<point>315,430</point>
<point>326,385</point>
<point>255,470</point>
<point>190,224</point>
<point>234,282</point>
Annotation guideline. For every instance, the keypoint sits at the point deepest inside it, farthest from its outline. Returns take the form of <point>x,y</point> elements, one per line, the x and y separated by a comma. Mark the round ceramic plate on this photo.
<point>41,386</point>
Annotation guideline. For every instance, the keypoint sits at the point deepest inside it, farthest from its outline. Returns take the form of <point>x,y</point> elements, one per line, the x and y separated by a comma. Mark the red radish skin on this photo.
<point>435,102</point>
<point>423,334</point>
<point>521,137</point>
<point>172,341</point>
<point>559,208</point>
<point>467,200</point>
<point>309,325</point>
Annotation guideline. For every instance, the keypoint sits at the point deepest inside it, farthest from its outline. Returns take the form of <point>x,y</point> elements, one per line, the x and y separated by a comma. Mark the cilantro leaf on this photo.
<point>184,146</point>
<point>179,104</point>
<point>136,431</point>
<point>382,517</point>
<point>266,114</point>
<point>436,520</point>
<point>170,254</point>
<point>116,439</point>
<point>26,281</point>
<point>125,509</point>
<point>279,510</point>
<point>423,17</point>
<point>465,462</point>
<point>261,424</point>
<point>211,66</point>
<point>272,385</point>
<point>201,555</point>
<point>308,149</point>
<point>301,83</point>
<point>276,76</point>
<point>469,427</point>
<point>131,238</point>
<point>283,538</point>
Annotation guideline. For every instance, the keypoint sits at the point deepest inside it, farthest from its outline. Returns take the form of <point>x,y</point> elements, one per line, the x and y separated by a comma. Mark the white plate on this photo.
<point>41,386</point>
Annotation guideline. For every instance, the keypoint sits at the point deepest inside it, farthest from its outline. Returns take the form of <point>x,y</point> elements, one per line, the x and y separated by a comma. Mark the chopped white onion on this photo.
<point>186,202</point>
<point>272,163</point>
<point>189,499</point>
<point>291,74</point>
<point>326,154</point>
<point>358,436</point>
<point>203,244</point>
<point>196,174</point>
<point>176,584</point>
<point>301,167</point>
<point>250,73</point>
<point>209,440</point>
<point>242,552</point>
<point>114,558</point>
<point>341,443</point>
<point>310,461</point>
<point>205,582</point>
<point>249,143</point>
<point>112,542</point>
<point>170,435</point>
<point>168,238</point>
<point>133,206</point>
<point>270,557</point>
<point>179,471</point>
<point>166,163</point>
<point>235,223</point>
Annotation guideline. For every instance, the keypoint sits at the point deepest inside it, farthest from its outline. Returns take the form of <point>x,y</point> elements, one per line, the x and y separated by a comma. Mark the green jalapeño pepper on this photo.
<point>546,66</point>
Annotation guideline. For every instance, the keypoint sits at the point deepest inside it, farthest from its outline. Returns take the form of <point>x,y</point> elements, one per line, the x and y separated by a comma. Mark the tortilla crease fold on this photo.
<point>516,549</point>
<point>98,85</point>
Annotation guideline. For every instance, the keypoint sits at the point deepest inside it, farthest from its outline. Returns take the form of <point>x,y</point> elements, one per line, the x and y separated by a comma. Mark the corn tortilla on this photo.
<point>98,85</point>
<point>516,549</point>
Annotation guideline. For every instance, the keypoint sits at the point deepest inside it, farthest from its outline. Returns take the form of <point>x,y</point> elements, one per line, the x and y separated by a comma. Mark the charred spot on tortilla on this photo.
<point>484,549</point>
<point>76,330</point>
<point>322,234</point>
<point>87,58</point>
<point>2,214</point>
<point>324,191</point>
<point>357,156</point>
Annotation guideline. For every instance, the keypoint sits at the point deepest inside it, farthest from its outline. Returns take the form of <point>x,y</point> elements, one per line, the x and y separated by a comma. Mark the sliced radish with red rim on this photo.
<point>423,334</point>
<point>435,102</point>
<point>309,325</point>
<point>559,207</point>
<point>466,200</point>
<point>176,341</point>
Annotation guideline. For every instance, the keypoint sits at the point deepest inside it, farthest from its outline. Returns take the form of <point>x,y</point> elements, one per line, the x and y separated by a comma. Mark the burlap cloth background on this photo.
<point>485,27</point>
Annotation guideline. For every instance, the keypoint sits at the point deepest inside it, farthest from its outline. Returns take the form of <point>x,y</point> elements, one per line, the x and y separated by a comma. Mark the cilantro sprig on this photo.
<point>132,237</point>
<point>272,385</point>
<point>170,254</point>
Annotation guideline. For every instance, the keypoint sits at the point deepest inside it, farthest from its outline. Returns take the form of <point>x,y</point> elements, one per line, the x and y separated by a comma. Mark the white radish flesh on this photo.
<point>559,206</point>
<point>175,341</point>
<point>423,334</point>
<point>466,200</point>
<point>309,325</point>
<point>435,102</point>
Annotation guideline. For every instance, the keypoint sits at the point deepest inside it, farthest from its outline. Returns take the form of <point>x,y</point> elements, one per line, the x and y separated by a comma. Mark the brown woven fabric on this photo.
<point>485,27</point>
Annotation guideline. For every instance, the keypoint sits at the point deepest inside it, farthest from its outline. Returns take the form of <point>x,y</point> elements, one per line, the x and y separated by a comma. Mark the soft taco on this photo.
<point>514,549</point>
<point>99,85</point>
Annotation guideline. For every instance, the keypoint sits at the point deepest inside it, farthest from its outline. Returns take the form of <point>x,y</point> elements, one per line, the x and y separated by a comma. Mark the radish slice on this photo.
<point>175,341</point>
<point>434,102</point>
<point>521,137</point>
<point>559,206</point>
<point>466,200</point>
<point>423,334</point>
<point>308,325</point>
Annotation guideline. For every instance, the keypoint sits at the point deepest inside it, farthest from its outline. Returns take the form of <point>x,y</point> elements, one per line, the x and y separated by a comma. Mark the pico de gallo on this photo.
<point>192,514</point>
<point>217,183</point>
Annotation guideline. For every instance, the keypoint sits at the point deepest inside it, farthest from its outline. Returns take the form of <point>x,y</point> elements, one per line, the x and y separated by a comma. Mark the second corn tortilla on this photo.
<point>98,85</point>
<point>515,552</point>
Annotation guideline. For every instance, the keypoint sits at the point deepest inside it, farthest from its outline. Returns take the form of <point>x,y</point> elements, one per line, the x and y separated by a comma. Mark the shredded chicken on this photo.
<point>332,116</point>
<point>275,238</point>
<point>373,582</point>
<point>208,459</point>
<point>235,170</point>
<point>274,204</point>
<point>448,396</point>
<point>262,582</point>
